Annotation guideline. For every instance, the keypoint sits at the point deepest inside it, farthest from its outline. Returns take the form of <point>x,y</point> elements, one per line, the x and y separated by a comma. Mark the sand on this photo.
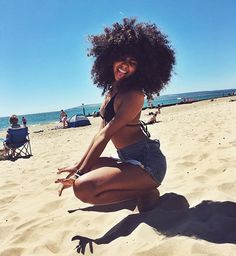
<point>196,214</point>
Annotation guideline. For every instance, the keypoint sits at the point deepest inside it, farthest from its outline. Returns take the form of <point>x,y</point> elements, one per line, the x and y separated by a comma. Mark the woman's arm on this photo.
<point>129,108</point>
<point>102,125</point>
<point>72,169</point>
<point>78,164</point>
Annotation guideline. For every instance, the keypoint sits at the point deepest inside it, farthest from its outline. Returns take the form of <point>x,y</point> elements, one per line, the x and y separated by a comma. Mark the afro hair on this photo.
<point>142,41</point>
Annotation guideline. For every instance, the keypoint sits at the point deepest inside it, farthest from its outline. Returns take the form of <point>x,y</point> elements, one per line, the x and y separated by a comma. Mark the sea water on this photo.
<point>50,117</point>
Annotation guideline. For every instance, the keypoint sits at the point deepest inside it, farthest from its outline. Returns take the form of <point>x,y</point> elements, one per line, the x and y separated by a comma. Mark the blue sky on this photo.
<point>43,47</point>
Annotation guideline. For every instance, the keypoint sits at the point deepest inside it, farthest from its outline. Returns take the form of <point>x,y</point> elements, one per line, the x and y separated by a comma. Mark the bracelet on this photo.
<point>78,174</point>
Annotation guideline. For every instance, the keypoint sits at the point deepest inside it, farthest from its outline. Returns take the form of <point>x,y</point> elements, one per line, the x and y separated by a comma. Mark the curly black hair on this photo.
<point>142,41</point>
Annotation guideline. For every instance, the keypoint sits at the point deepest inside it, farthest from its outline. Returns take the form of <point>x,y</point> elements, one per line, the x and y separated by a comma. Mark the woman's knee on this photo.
<point>84,190</point>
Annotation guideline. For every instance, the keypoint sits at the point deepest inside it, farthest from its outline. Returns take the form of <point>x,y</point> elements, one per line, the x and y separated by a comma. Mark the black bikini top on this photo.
<point>109,113</point>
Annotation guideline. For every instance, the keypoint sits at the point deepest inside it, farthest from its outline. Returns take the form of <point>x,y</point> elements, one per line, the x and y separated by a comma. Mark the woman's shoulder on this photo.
<point>132,95</point>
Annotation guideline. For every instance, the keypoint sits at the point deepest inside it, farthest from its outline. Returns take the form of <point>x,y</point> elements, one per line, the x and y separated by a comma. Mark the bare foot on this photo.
<point>148,201</point>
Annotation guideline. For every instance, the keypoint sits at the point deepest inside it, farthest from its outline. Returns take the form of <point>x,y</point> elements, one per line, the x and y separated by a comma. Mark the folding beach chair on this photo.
<point>19,142</point>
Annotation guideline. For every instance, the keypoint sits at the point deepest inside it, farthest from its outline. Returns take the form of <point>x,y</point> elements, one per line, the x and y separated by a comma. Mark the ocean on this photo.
<point>164,100</point>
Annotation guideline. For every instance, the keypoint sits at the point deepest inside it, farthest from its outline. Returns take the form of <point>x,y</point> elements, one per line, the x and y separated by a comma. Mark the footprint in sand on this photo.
<point>13,251</point>
<point>205,139</point>
<point>7,199</point>
<point>233,143</point>
<point>15,219</point>
<point>203,156</point>
<point>185,164</point>
<point>51,206</point>
<point>227,187</point>
<point>4,231</point>
<point>188,157</point>
<point>8,186</point>
<point>198,249</point>
<point>27,224</point>
<point>22,237</point>
<point>211,171</point>
<point>201,178</point>
<point>53,247</point>
<point>46,182</point>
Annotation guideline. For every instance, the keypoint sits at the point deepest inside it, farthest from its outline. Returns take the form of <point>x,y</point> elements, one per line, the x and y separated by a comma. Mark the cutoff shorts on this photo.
<point>146,154</point>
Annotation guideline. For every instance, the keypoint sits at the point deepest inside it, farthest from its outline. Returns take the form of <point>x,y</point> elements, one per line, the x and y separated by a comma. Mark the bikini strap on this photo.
<point>144,128</point>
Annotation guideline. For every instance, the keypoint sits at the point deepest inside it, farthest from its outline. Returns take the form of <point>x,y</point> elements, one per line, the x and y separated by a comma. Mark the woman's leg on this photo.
<point>113,182</point>
<point>105,161</point>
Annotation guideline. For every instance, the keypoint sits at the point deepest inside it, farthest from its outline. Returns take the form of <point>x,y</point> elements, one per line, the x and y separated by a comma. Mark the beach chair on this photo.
<point>19,142</point>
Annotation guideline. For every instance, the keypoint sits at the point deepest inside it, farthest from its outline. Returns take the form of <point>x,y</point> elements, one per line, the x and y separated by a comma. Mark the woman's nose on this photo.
<point>125,66</point>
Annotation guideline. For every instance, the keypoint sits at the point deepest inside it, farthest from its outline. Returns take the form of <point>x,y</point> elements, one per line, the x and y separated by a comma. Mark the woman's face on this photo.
<point>124,67</point>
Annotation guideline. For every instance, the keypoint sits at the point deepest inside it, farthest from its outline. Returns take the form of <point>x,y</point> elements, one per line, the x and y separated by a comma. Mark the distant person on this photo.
<point>62,114</point>
<point>150,103</point>
<point>14,122</point>
<point>64,121</point>
<point>159,109</point>
<point>24,121</point>
<point>7,142</point>
<point>94,114</point>
<point>63,118</point>
<point>153,119</point>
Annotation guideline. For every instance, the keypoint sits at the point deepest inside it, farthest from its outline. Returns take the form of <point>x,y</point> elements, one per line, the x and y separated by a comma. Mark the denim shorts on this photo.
<point>147,154</point>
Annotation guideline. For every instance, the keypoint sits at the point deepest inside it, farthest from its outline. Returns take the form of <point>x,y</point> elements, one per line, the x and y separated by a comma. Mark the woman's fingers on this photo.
<point>61,170</point>
<point>65,183</point>
<point>60,190</point>
<point>59,181</point>
<point>69,175</point>
<point>66,169</point>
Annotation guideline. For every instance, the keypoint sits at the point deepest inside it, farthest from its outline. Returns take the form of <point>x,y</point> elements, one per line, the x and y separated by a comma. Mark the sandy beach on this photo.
<point>197,210</point>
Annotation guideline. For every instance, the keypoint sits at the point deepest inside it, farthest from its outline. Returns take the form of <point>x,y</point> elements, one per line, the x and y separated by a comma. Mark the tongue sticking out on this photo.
<point>120,75</point>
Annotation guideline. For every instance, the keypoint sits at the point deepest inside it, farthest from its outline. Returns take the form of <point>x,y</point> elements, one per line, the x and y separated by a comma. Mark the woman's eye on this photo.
<point>133,63</point>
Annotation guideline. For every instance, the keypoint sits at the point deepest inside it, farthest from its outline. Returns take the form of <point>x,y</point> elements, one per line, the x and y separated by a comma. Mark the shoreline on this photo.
<point>49,123</point>
<point>163,100</point>
<point>190,102</point>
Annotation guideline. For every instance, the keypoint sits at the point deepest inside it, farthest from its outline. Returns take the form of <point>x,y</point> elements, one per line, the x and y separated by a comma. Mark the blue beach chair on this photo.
<point>18,142</point>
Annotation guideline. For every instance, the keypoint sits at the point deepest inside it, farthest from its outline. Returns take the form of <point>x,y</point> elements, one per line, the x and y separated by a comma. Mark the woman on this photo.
<point>131,60</point>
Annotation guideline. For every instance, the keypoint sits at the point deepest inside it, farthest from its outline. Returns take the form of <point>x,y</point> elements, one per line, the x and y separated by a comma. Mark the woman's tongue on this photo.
<point>120,74</point>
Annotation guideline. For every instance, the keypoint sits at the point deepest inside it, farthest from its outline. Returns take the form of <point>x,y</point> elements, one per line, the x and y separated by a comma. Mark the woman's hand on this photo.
<point>71,170</point>
<point>66,182</point>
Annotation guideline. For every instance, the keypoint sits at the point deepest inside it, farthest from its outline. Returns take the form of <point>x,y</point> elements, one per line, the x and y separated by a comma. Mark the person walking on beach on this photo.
<point>131,60</point>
